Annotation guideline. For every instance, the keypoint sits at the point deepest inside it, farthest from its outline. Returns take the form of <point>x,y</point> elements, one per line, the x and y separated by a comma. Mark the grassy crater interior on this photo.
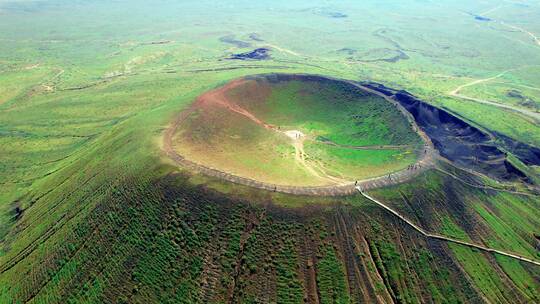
<point>296,130</point>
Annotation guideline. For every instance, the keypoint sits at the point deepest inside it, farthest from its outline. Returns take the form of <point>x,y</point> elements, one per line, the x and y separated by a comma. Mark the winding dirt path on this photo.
<point>456,93</point>
<point>478,81</point>
<point>372,147</point>
<point>217,97</point>
<point>283,50</point>
<point>535,38</point>
<point>300,157</point>
<point>444,238</point>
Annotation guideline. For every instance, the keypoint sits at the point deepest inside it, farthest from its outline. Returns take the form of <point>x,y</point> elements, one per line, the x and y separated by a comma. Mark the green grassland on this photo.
<point>484,216</point>
<point>91,211</point>
<point>360,163</point>
<point>503,121</point>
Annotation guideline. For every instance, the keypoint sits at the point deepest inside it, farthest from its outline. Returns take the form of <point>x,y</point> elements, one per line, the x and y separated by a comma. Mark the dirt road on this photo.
<point>455,93</point>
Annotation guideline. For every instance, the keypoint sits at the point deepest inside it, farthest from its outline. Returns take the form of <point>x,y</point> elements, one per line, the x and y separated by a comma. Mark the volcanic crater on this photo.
<point>285,132</point>
<point>315,135</point>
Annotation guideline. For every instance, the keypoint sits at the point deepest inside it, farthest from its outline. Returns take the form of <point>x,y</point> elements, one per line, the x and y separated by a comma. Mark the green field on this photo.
<point>92,211</point>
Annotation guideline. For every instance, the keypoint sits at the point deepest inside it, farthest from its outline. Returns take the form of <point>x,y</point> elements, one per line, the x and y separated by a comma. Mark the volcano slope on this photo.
<point>295,130</point>
<point>151,236</point>
<point>119,223</point>
<point>91,211</point>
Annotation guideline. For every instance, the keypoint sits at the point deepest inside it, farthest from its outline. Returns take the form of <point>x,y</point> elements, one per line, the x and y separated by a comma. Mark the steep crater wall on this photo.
<point>528,154</point>
<point>462,143</point>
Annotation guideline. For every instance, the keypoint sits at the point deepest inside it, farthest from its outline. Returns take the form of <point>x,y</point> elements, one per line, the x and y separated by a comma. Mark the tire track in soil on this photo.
<point>64,219</point>
<point>309,270</point>
<point>353,253</point>
<point>381,296</point>
<point>252,225</point>
<point>358,292</point>
<point>210,274</point>
<point>381,271</point>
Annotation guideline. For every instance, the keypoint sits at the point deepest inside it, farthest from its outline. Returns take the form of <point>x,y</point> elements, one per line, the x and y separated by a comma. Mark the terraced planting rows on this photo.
<point>230,251</point>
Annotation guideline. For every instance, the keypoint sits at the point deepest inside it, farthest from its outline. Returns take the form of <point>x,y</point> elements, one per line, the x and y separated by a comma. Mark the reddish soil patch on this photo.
<point>221,97</point>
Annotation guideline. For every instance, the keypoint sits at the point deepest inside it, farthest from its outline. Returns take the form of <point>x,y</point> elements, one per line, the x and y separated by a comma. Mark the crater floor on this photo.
<point>296,130</point>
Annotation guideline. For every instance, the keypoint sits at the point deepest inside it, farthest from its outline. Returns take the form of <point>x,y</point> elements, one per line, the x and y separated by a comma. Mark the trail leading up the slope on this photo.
<point>444,238</point>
